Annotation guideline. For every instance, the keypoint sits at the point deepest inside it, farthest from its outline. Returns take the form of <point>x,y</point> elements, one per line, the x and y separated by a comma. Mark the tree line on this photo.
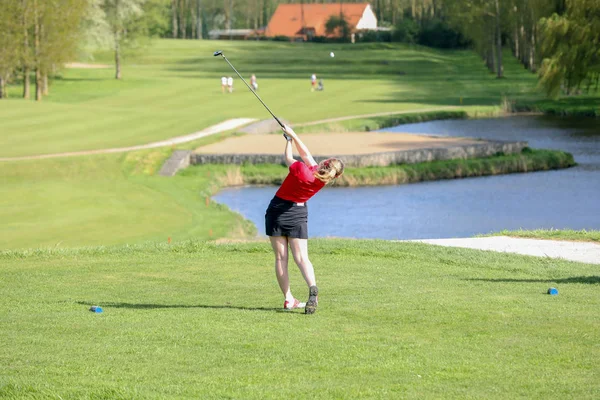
<point>558,39</point>
<point>37,37</point>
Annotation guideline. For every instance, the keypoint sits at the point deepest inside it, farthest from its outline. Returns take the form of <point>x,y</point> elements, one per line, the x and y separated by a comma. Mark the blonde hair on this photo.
<point>329,170</point>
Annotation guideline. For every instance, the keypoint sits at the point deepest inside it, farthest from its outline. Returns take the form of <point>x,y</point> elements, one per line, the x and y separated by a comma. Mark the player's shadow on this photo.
<point>149,306</point>
<point>591,280</point>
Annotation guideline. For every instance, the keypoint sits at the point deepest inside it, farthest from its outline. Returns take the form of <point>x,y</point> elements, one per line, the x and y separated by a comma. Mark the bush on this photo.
<point>406,31</point>
<point>340,25</point>
<point>437,33</point>
<point>325,39</point>
<point>432,33</point>
<point>320,39</point>
<point>374,36</point>
<point>281,38</point>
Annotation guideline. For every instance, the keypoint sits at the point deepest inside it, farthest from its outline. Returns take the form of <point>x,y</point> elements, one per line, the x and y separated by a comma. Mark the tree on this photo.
<point>174,18</point>
<point>95,30</point>
<point>198,19</point>
<point>156,18</point>
<point>60,35</point>
<point>55,29</point>
<point>337,24</point>
<point>481,21</point>
<point>10,43</point>
<point>37,35</point>
<point>571,47</point>
<point>123,18</point>
<point>25,20</point>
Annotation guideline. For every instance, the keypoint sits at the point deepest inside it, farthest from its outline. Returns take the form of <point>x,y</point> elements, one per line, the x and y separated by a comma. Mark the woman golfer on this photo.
<point>286,218</point>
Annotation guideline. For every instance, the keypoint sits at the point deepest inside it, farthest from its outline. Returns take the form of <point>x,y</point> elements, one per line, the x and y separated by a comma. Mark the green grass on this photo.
<point>553,234</point>
<point>172,88</point>
<point>580,106</point>
<point>108,199</point>
<point>198,320</point>
<point>527,161</point>
<point>115,199</point>
<point>376,123</point>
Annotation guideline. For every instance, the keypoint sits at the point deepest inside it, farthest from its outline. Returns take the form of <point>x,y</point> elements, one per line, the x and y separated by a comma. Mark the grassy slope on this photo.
<point>396,320</point>
<point>104,200</point>
<point>173,88</point>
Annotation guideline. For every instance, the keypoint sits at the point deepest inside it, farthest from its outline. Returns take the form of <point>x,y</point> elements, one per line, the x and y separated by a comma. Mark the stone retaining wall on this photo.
<point>413,156</point>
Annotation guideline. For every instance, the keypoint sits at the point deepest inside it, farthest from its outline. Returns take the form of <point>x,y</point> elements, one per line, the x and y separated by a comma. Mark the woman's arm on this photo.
<point>301,147</point>
<point>287,153</point>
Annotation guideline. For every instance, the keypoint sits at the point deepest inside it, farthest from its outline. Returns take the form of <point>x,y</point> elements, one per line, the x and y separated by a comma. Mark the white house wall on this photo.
<point>368,19</point>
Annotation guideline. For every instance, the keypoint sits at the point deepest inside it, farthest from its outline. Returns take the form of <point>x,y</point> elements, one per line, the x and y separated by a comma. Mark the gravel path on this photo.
<point>585,252</point>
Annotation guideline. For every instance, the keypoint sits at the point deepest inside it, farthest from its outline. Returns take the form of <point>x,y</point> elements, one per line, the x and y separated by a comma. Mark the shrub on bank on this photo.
<point>528,160</point>
<point>573,107</point>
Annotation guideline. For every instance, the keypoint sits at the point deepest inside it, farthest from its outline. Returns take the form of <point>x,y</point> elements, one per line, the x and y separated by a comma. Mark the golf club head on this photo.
<point>218,53</point>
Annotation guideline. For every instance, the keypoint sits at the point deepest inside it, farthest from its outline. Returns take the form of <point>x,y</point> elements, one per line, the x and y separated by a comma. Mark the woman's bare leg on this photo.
<point>300,252</point>
<point>280,248</point>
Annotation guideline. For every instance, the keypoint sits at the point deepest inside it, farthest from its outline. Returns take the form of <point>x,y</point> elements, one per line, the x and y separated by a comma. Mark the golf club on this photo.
<point>220,53</point>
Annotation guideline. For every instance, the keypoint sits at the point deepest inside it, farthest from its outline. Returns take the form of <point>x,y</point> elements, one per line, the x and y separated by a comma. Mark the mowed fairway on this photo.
<point>172,88</point>
<point>198,320</point>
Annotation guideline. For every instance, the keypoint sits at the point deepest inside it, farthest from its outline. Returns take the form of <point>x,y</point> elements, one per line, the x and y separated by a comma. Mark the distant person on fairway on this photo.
<point>253,82</point>
<point>320,87</point>
<point>313,82</point>
<point>286,219</point>
<point>230,84</point>
<point>223,84</point>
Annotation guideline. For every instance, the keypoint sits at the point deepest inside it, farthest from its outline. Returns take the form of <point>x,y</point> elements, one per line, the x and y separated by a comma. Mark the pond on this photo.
<point>564,199</point>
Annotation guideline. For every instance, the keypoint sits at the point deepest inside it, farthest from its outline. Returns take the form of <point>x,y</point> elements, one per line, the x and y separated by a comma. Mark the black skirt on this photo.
<point>286,218</point>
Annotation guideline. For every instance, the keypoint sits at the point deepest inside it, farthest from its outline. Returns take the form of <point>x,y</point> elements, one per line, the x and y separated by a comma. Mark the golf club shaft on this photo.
<point>252,90</point>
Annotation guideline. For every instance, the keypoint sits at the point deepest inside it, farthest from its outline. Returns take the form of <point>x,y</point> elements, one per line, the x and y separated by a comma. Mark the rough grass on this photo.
<point>553,234</point>
<point>528,161</point>
<point>198,320</point>
<point>172,88</point>
<point>580,106</point>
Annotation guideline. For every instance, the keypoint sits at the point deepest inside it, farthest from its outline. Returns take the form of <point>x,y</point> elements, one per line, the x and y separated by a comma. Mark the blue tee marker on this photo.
<point>553,291</point>
<point>96,309</point>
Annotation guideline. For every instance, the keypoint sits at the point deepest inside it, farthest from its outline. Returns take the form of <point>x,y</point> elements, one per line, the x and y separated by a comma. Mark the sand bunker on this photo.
<point>333,143</point>
<point>87,66</point>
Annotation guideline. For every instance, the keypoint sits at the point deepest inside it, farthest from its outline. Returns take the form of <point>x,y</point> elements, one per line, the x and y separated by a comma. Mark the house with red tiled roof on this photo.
<point>307,20</point>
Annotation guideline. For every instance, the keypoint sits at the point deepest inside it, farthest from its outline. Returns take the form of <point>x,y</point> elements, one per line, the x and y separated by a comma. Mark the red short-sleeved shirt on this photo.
<point>300,184</point>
